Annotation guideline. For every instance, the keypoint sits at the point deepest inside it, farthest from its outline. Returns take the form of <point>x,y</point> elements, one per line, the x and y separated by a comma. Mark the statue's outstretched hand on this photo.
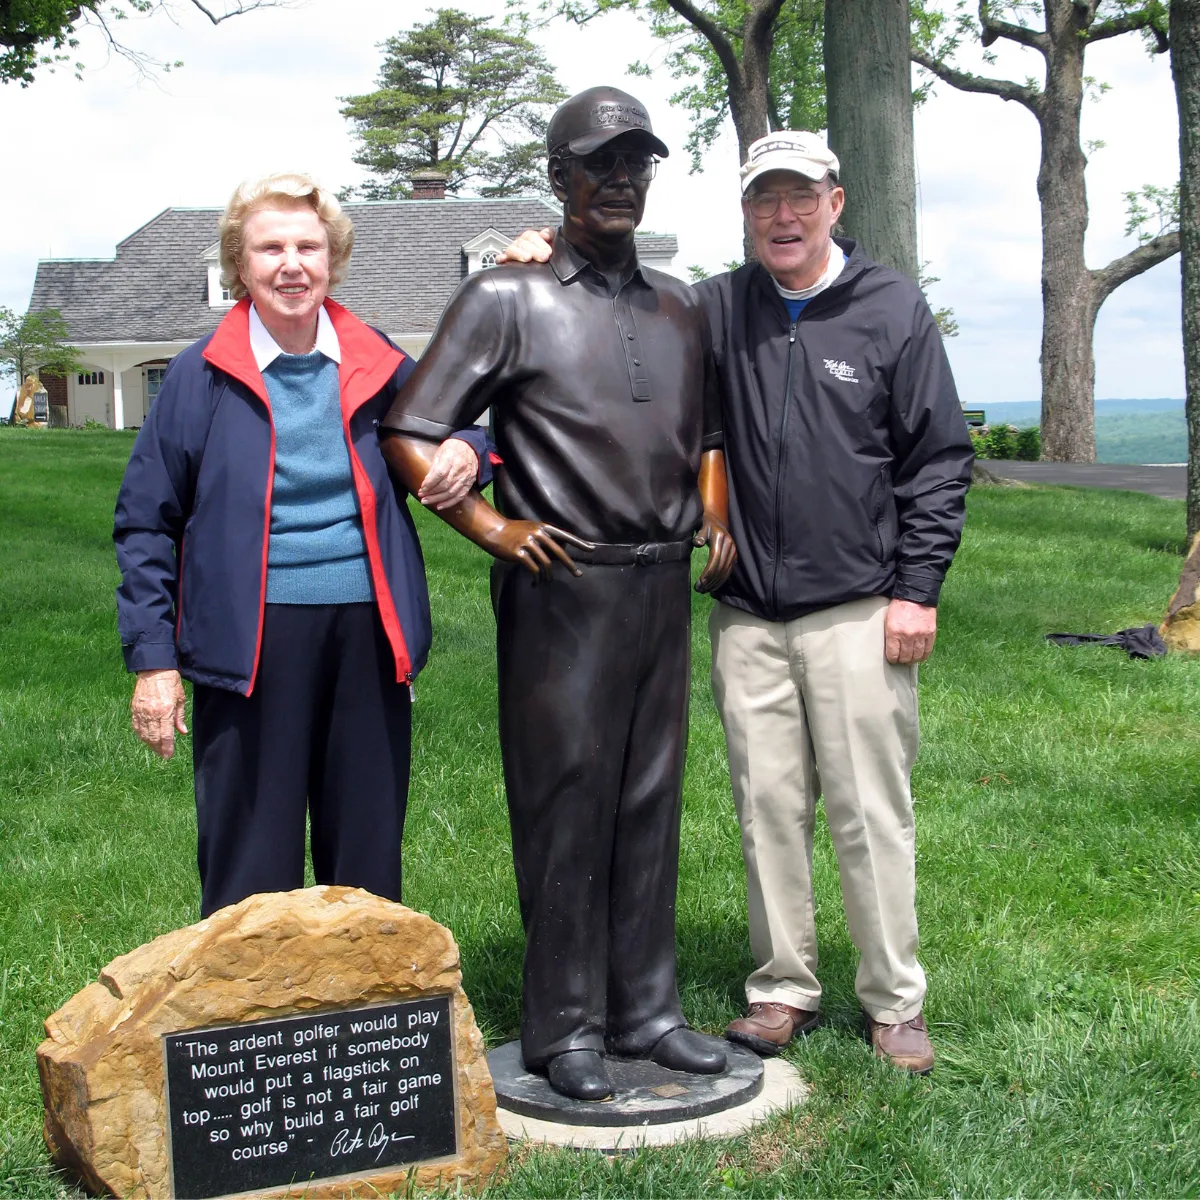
<point>722,553</point>
<point>534,545</point>
<point>534,245</point>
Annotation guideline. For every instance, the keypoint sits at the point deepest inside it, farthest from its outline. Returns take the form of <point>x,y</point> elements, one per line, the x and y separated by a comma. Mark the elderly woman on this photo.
<point>264,555</point>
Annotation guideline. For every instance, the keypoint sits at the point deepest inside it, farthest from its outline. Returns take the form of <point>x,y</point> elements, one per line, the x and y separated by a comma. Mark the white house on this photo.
<point>129,315</point>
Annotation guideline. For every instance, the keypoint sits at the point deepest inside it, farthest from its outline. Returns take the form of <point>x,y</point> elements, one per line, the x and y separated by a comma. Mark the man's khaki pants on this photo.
<point>812,707</point>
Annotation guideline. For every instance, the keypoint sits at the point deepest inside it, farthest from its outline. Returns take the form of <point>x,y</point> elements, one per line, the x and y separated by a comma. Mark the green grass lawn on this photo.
<point>1058,857</point>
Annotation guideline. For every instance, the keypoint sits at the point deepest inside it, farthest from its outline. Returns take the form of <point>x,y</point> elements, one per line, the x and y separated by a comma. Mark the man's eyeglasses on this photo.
<point>802,201</point>
<point>602,163</point>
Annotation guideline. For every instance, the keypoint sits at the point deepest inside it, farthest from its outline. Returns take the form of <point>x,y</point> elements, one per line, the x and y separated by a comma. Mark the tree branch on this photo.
<point>1030,97</point>
<point>1128,23</point>
<point>994,29</point>
<point>715,35</point>
<point>239,7</point>
<point>1106,280</point>
<point>760,29</point>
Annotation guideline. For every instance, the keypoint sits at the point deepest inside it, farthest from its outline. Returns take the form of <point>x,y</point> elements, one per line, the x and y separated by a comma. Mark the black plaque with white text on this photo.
<point>347,1092</point>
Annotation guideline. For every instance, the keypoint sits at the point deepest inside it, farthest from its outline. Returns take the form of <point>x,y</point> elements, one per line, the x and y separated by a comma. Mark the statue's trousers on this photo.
<point>594,675</point>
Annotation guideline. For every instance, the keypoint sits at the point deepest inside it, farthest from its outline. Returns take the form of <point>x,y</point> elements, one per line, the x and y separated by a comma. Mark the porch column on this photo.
<point>118,395</point>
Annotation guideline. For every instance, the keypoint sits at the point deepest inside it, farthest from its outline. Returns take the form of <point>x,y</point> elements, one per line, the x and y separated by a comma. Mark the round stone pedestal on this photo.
<point>650,1105</point>
<point>643,1092</point>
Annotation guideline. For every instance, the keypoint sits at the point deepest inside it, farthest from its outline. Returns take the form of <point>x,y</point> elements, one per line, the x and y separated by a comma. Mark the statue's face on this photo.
<point>605,192</point>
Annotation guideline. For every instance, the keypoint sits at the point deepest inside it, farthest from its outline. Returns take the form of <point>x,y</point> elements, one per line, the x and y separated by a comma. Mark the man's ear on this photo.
<point>556,169</point>
<point>837,201</point>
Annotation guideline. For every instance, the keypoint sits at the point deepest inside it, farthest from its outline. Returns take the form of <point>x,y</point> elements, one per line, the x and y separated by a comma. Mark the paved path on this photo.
<point>1170,482</point>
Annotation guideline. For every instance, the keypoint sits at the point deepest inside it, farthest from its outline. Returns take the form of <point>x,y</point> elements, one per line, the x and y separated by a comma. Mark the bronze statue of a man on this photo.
<point>607,416</point>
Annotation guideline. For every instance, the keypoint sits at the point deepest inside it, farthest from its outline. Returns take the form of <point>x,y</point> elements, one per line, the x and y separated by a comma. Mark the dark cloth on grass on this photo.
<point>1140,641</point>
<point>327,730</point>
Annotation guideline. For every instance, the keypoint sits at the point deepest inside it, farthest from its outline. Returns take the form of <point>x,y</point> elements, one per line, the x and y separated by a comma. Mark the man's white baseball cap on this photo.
<point>804,153</point>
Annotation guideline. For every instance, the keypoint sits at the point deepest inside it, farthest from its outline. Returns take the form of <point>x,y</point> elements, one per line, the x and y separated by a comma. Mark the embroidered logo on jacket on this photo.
<point>840,369</point>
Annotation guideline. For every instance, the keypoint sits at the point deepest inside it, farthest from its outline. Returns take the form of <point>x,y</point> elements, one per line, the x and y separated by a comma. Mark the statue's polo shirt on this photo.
<point>601,404</point>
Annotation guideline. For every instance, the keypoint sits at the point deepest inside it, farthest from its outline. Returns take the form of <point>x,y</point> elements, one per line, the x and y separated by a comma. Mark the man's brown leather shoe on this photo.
<point>769,1026</point>
<point>905,1045</point>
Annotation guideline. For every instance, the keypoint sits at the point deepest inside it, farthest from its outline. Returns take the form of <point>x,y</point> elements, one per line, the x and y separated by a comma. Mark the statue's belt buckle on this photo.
<point>648,555</point>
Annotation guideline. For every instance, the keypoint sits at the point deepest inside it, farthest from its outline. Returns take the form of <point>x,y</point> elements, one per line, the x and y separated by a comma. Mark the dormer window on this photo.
<point>218,296</point>
<point>482,249</point>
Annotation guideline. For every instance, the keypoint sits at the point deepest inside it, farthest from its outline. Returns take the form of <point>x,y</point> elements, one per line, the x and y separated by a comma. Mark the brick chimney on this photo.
<point>428,185</point>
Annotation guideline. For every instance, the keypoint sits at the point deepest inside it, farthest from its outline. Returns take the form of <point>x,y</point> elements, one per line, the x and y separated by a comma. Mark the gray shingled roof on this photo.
<point>407,261</point>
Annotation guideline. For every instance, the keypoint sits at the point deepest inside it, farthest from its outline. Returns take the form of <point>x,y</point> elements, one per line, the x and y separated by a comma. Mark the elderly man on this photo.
<point>848,466</point>
<point>598,375</point>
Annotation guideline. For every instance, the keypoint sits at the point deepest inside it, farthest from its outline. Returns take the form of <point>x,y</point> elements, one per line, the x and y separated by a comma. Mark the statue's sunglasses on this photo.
<point>802,201</point>
<point>600,164</point>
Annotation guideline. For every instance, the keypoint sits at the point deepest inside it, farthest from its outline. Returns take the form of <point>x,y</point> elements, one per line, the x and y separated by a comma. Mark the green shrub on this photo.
<point>1007,442</point>
<point>1029,444</point>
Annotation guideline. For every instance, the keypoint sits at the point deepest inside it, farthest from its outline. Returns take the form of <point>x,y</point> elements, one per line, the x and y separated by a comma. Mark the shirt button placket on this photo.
<point>639,380</point>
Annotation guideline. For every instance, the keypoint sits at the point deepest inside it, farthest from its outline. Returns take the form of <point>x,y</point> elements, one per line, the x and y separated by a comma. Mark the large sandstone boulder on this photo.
<point>272,956</point>
<point>1181,629</point>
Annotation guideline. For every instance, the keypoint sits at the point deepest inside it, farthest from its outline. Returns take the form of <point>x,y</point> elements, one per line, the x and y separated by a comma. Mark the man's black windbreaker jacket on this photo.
<point>847,453</point>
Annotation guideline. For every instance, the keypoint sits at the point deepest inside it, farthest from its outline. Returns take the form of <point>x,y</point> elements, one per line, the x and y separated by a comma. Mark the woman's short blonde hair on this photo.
<point>282,191</point>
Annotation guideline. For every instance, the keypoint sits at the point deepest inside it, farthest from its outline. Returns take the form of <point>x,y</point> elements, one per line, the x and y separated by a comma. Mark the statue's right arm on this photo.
<point>462,372</point>
<point>530,543</point>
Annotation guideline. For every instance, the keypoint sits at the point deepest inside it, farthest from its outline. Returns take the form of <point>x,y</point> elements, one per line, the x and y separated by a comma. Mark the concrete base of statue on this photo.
<point>650,1106</point>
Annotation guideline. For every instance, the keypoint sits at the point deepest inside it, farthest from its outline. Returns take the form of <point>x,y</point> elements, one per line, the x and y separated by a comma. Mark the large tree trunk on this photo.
<point>868,89</point>
<point>1069,306</point>
<point>749,108</point>
<point>1185,66</point>
<point>750,122</point>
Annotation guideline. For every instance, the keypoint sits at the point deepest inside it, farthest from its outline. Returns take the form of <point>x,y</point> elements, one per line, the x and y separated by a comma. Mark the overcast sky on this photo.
<point>260,93</point>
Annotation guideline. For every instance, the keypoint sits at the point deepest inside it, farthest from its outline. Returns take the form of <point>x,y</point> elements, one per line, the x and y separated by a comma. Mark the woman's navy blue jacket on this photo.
<point>193,514</point>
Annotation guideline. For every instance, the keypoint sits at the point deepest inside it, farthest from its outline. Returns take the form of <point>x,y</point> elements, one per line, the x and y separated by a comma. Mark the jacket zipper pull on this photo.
<point>792,338</point>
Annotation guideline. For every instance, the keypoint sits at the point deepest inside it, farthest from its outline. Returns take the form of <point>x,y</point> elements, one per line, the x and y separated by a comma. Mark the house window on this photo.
<point>154,378</point>
<point>218,293</point>
<point>487,260</point>
<point>91,378</point>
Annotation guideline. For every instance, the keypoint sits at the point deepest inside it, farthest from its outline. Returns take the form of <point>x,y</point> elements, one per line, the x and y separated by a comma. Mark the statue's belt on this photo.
<point>648,554</point>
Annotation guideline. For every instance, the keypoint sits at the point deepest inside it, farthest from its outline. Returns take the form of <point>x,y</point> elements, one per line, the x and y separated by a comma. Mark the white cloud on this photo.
<point>261,93</point>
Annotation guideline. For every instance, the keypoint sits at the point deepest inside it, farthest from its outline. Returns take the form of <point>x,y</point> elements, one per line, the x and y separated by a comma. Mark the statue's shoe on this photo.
<point>685,1050</point>
<point>580,1074</point>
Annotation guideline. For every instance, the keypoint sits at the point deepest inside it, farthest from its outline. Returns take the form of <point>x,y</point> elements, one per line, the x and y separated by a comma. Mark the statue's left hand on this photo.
<point>452,474</point>
<point>722,553</point>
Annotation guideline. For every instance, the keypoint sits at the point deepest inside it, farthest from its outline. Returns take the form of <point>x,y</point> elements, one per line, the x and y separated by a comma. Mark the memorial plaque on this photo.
<point>348,1092</point>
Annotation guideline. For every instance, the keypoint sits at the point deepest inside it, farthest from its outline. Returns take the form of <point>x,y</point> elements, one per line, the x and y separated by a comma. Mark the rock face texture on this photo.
<point>1181,629</point>
<point>271,956</point>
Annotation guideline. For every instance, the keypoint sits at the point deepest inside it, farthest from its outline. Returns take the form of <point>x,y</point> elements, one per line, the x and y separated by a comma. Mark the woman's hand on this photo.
<point>158,710</point>
<point>452,474</point>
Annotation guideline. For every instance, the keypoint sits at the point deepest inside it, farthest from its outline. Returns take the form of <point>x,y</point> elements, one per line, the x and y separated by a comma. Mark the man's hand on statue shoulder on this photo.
<point>909,631</point>
<point>534,245</point>
<point>722,553</point>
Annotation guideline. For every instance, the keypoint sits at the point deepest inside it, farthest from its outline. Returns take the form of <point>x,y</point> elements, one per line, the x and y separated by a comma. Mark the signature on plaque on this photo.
<point>378,1140</point>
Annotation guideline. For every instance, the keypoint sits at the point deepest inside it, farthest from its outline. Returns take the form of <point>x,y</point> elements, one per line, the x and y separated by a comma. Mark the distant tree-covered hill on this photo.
<point>1127,431</point>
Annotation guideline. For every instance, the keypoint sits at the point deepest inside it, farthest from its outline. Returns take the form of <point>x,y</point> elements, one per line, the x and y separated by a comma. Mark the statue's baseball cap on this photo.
<point>593,117</point>
<point>804,153</point>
